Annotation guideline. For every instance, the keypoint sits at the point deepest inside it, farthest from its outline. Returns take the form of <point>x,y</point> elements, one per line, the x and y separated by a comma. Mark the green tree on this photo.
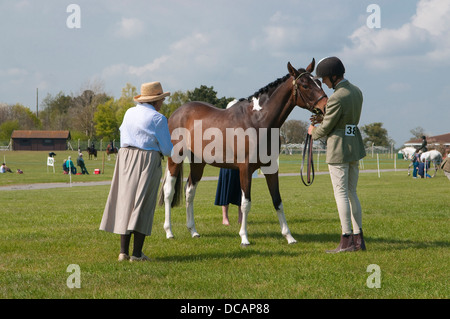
<point>109,115</point>
<point>6,129</point>
<point>106,124</point>
<point>376,134</point>
<point>54,115</point>
<point>27,120</point>
<point>208,95</point>
<point>175,100</point>
<point>125,101</point>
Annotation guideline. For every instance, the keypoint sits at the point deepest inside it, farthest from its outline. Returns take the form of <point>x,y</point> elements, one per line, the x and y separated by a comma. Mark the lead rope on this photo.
<point>310,163</point>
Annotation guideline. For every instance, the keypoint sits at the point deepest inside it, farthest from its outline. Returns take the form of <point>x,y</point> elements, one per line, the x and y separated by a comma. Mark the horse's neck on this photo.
<point>279,105</point>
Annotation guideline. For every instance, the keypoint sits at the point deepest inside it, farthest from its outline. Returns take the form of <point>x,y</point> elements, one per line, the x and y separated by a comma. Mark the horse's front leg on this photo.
<point>245,209</point>
<point>272,183</point>
<point>246,204</point>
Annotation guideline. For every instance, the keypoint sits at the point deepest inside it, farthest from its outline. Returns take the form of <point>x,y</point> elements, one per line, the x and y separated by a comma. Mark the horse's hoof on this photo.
<point>291,240</point>
<point>245,245</point>
<point>195,235</point>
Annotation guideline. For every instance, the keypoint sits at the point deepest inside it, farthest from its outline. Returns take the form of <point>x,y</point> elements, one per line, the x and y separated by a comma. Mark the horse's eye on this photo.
<point>304,86</point>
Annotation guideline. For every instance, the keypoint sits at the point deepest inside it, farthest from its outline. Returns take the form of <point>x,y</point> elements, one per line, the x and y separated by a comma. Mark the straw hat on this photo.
<point>151,92</point>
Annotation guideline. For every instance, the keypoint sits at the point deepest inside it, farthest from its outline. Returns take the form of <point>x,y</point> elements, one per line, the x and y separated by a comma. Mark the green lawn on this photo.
<point>34,166</point>
<point>405,223</point>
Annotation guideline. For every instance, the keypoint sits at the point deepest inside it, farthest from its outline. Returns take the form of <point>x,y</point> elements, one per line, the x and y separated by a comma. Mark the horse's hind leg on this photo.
<point>191,186</point>
<point>169,191</point>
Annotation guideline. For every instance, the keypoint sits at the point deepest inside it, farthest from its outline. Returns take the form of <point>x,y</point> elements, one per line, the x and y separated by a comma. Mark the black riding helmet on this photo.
<point>330,67</point>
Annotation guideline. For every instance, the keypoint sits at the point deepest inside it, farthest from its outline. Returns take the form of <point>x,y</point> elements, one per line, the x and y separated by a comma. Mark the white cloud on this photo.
<point>279,36</point>
<point>193,52</point>
<point>425,38</point>
<point>399,87</point>
<point>130,27</point>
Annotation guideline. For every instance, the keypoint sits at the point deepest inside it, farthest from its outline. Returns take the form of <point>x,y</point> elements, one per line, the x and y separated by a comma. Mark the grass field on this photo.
<point>406,225</point>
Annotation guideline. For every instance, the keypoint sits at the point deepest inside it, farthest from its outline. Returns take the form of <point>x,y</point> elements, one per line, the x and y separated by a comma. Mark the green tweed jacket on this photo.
<point>344,141</point>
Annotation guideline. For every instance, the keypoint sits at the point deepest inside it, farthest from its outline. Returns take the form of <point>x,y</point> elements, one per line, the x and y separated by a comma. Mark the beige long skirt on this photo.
<point>132,198</point>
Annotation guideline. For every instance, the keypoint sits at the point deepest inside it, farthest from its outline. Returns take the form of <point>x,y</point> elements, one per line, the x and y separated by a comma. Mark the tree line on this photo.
<point>93,115</point>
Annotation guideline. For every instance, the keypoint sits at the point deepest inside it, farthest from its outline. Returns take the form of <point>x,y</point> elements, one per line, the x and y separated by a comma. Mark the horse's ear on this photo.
<point>311,66</point>
<point>292,70</point>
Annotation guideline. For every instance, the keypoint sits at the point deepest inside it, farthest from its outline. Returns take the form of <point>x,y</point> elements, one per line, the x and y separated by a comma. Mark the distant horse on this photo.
<point>434,157</point>
<point>111,150</point>
<point>259,118</point>
<point>408,153</point>
<point>92,151</point>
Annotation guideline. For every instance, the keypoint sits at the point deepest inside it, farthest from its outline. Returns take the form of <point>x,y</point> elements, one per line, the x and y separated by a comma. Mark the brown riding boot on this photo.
<point>358,241</point>
<point>346,244</point>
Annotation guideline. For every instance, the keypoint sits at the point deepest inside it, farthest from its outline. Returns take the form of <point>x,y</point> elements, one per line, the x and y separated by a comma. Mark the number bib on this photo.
<point>350,130</point>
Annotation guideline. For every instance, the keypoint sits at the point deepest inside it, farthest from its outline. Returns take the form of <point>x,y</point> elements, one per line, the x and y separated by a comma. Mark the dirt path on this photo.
<point>206,178</point>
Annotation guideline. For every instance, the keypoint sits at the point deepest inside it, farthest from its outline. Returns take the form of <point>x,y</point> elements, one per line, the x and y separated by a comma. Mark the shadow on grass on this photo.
<point>256,249</point>
<point>243,253</point>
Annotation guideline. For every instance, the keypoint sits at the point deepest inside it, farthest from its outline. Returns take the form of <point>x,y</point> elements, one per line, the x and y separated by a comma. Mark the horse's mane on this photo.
<point>266,89</point>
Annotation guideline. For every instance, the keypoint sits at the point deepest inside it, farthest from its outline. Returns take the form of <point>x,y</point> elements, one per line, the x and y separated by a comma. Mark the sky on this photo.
<point>396,52</point>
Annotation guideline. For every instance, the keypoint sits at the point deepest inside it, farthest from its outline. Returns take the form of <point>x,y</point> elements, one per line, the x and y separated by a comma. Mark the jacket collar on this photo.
<point>344,82</point>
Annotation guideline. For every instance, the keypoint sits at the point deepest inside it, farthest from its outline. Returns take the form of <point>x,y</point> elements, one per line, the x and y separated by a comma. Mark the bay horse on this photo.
<point>111,150</point>
<point>92,151</point>
<point>263,113</point>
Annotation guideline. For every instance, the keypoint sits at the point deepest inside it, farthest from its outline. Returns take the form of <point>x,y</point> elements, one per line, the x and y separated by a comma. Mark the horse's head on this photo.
<point>307,91</point>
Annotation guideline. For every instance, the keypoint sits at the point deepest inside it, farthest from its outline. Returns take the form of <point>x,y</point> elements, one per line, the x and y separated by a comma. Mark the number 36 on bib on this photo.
<point>350,130</point>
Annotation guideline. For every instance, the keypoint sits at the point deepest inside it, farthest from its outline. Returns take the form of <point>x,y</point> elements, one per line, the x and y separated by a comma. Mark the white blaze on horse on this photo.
<point>257,120</point>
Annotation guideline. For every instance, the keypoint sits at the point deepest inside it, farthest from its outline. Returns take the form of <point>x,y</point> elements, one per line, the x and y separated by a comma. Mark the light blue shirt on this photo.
<point>145,128</point>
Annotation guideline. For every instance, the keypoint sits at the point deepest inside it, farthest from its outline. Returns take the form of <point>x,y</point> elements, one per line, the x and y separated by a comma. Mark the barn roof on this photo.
<point>438,139</point>
<point>41,134</point>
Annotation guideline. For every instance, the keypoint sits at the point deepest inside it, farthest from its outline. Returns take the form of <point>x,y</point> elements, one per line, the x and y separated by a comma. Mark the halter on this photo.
<point>297,89</point>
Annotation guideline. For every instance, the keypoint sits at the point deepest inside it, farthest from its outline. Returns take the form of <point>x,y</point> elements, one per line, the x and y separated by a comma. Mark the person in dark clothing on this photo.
<point>80,162</point>
<point>228,192</point>
<point>421,169</point>
<point>423,147</point>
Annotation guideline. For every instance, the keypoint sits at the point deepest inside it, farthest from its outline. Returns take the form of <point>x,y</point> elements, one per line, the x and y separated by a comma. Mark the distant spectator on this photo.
<point>80,162</point>
<point>421,169</point>
<point>416,160</point>
<point>4,169</point>
<point>65,169</point>
<point>71,166</point>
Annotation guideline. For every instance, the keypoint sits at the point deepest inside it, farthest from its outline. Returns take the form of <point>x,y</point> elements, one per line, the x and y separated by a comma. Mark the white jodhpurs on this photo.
<point>344,178</point>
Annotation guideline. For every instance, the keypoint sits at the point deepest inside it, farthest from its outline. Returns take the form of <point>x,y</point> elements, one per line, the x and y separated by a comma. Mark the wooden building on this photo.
<point>40,140</point>
<point>438,142</point>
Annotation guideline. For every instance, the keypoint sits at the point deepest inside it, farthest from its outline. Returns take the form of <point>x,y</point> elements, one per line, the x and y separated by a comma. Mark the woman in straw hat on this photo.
<point>144,136</point>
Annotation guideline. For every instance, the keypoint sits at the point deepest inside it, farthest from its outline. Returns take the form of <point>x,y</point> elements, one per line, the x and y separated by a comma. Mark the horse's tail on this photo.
<point>178,195</point>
